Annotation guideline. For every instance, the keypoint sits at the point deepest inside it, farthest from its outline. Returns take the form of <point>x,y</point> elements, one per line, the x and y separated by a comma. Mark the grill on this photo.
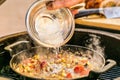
<point>79,38</point>
<point>112,74</point>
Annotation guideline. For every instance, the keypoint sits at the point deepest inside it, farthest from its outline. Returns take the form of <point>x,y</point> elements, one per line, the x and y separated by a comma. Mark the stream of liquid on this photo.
<point>57,50</point>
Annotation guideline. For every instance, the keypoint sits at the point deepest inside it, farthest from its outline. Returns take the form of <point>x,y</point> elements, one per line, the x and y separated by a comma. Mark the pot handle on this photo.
<point>9,47</point>
<point>110,64</point>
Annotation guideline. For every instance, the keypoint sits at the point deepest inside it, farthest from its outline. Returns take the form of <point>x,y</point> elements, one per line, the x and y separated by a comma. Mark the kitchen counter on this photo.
<point>12,18</point>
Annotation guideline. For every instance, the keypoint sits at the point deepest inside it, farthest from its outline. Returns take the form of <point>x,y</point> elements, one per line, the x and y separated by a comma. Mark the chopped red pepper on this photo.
<point>79,69</point>
<point>69,75</point>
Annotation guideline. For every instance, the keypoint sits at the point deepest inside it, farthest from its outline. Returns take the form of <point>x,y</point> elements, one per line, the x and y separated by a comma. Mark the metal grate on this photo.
<point>112,74</point>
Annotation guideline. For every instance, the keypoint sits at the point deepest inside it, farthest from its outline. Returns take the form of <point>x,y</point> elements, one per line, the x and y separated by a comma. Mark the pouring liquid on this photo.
<point>49,30</point>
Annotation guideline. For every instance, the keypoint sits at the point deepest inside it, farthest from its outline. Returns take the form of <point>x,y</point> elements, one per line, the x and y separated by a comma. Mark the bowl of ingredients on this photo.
<point>49,28</point>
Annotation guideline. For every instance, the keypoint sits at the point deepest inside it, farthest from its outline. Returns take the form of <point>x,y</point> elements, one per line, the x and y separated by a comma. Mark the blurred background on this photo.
<point>12,16</point>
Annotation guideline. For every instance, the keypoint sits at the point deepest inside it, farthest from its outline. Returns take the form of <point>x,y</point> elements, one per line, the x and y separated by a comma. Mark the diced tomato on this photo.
<point>69,75</point>
<point>43,64</point>
<point>79,69</point>
<point>85,72</point>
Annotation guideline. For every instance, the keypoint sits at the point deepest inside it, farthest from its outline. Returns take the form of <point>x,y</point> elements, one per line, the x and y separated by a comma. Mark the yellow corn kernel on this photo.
<point>68,65</point>
<point>63,60</point>
<point>63,73</point>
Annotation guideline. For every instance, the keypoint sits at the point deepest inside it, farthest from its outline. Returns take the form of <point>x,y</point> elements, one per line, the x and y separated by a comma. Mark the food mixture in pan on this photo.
<point>58,66</point>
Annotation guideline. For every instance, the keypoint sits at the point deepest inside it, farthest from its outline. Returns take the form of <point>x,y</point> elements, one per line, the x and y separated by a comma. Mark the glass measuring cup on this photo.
<point>49,28</point>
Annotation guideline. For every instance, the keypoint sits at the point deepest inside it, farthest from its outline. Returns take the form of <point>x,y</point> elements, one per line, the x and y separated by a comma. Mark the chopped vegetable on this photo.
<point>69,75</point>
<point>79,69</point>
<point>57,67</point>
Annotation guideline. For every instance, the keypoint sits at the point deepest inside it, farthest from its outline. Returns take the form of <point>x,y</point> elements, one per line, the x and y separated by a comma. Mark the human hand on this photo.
<point>63,3</point>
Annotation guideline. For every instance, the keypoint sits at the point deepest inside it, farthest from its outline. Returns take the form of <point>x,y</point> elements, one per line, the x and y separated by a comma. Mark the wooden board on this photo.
<point>113,24</point>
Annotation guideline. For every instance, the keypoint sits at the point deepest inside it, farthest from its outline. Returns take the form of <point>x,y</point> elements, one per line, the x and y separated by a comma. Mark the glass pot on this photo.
<point>49,28</point>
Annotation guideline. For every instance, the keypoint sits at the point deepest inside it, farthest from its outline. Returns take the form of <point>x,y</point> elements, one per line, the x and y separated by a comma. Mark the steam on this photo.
<point>94,44</point>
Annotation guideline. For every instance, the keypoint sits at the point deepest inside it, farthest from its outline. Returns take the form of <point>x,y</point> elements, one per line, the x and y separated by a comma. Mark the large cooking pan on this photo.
<point>22,61</point>
<point>81,37</point>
